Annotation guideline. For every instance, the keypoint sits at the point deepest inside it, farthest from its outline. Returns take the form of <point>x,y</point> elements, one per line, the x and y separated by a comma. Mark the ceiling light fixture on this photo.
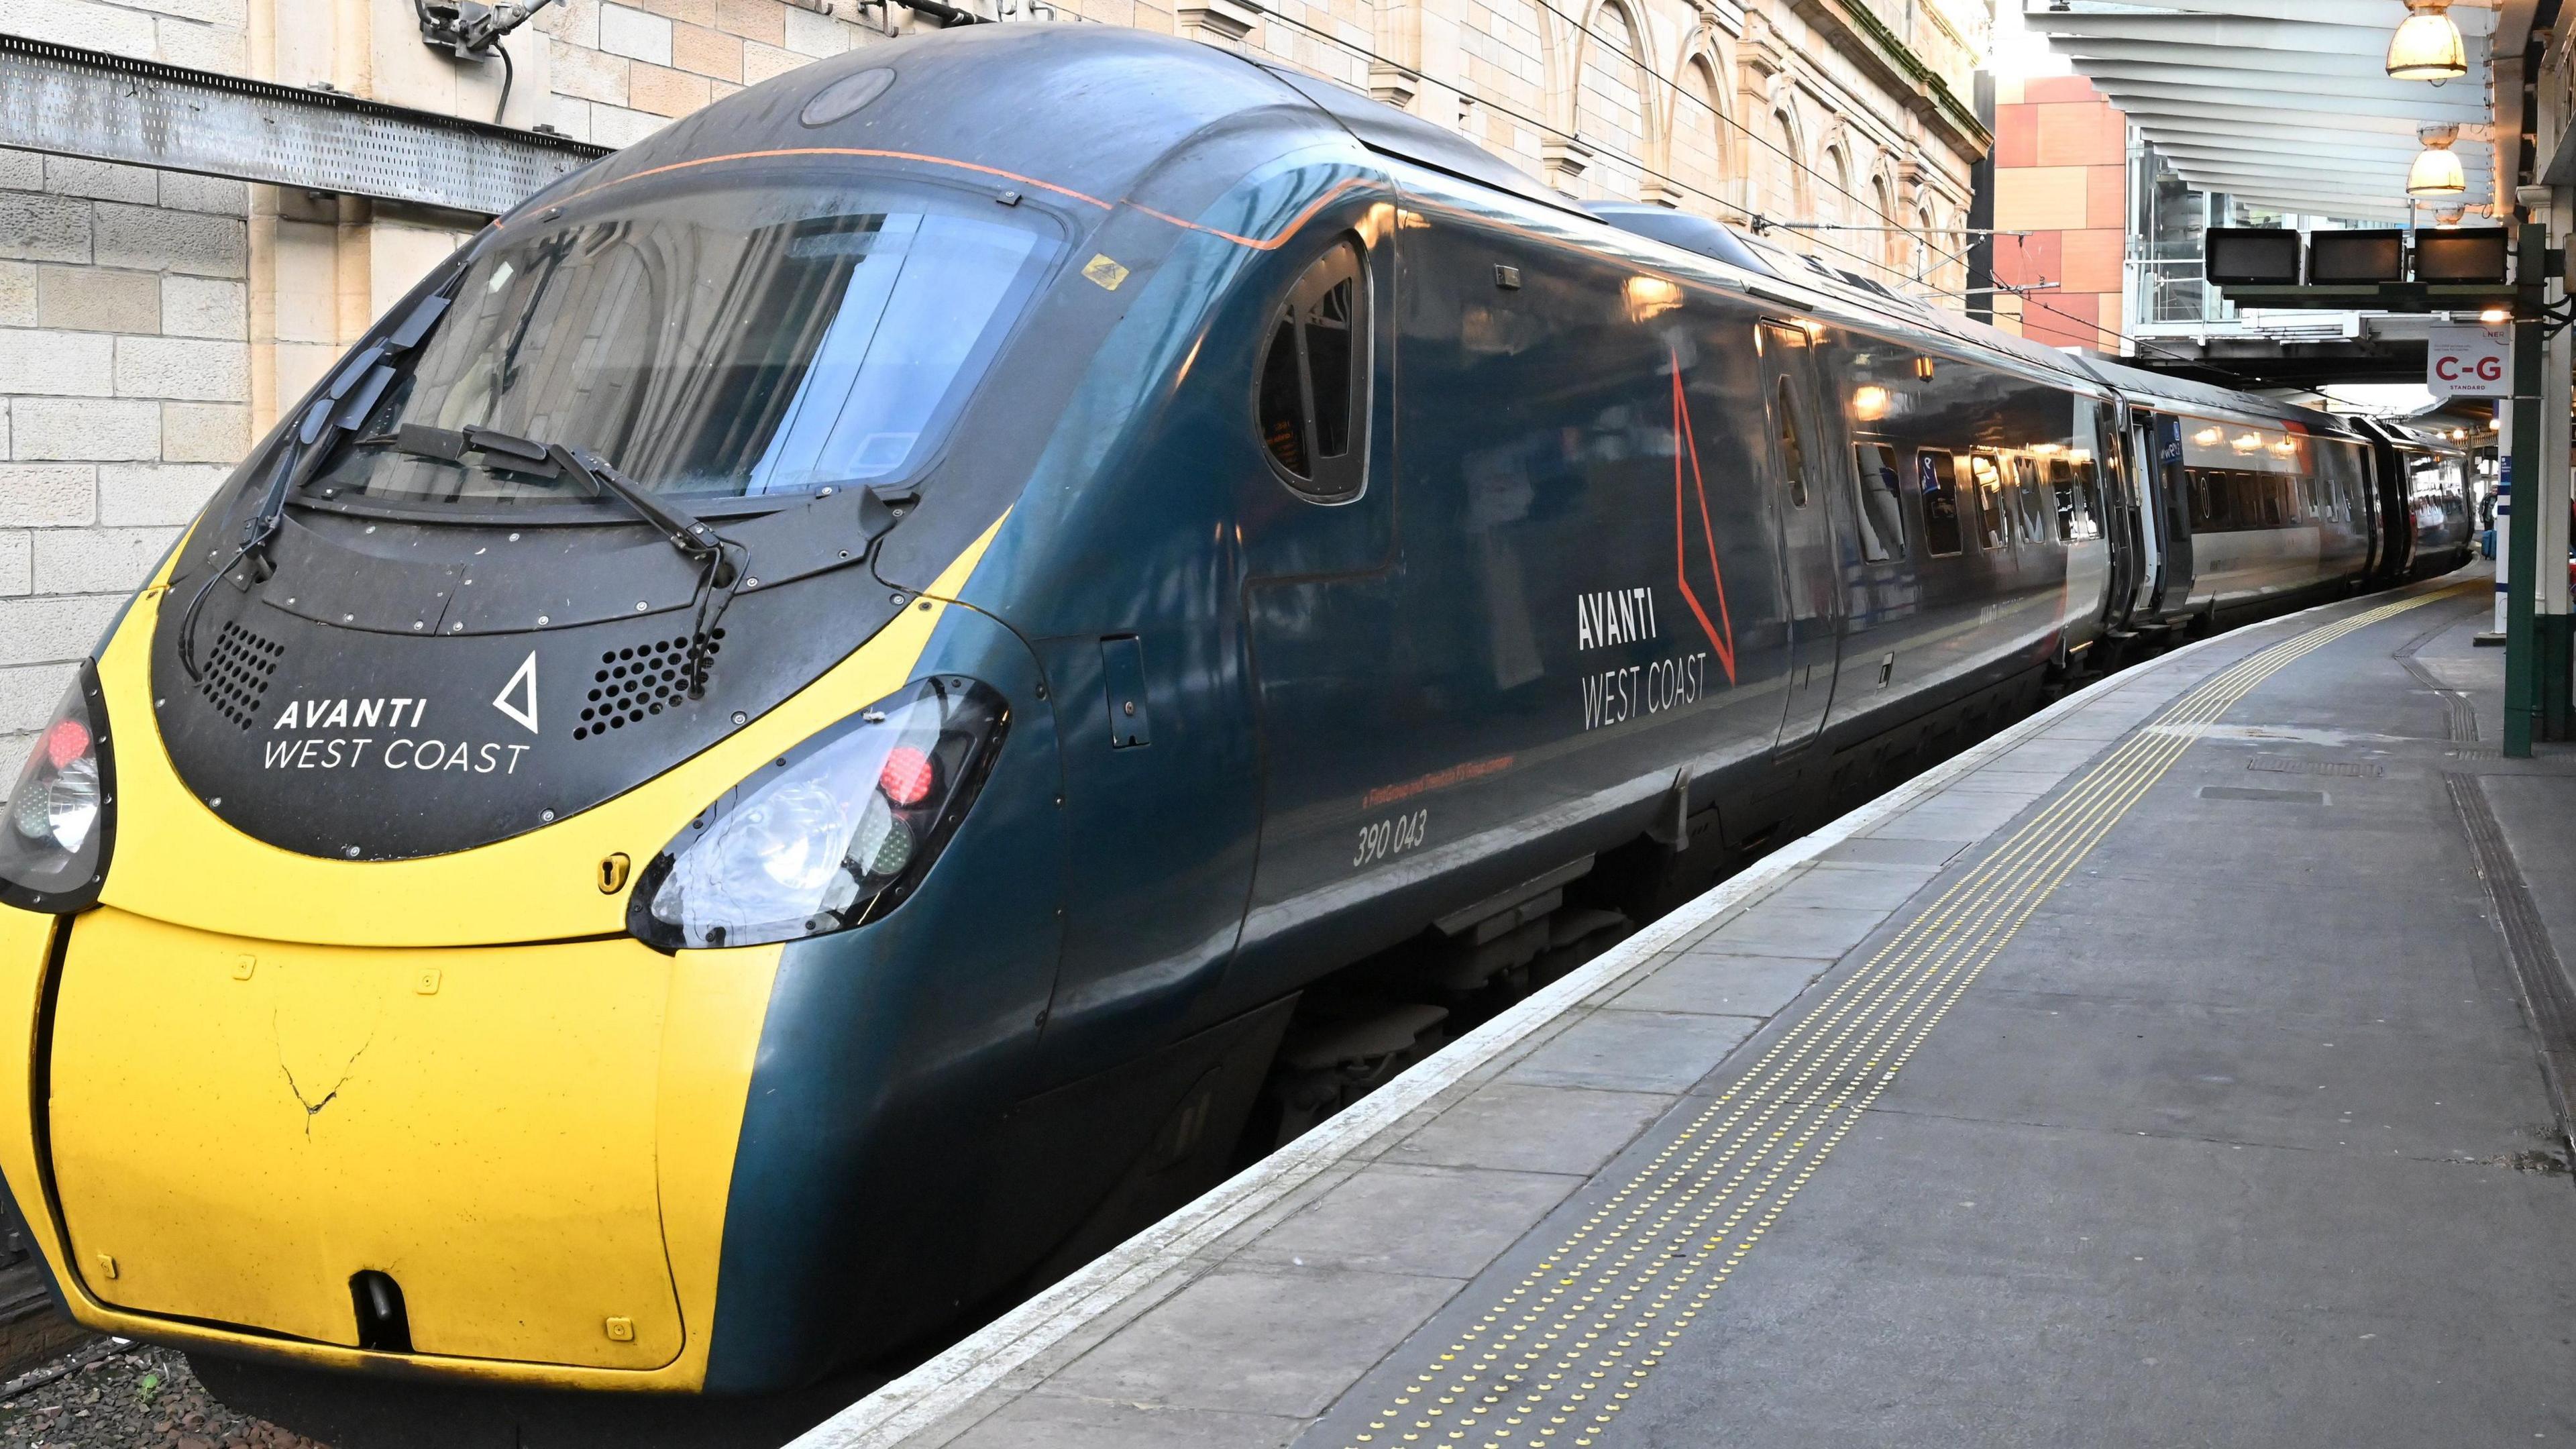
<point>2437,171</point>
<point>2427,45</point>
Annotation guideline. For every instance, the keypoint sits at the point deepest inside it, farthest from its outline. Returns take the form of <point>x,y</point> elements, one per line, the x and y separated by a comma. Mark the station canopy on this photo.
<point>2285,104</point>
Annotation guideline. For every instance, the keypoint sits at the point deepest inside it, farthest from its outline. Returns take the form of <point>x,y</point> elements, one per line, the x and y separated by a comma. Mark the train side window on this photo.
<point>1793,453</point>
<point>1935,482</point>
<point>1988,476</point>
<point>1311,401</point>
<point>1881,518</point>
<point>2025,500</point>
<point>2074,510</point>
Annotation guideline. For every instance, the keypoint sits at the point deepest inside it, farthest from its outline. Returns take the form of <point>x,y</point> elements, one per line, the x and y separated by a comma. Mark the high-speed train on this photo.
<point>846,703</point>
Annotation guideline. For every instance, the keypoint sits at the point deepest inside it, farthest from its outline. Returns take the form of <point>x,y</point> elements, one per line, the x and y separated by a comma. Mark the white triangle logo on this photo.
<point>522,683</point>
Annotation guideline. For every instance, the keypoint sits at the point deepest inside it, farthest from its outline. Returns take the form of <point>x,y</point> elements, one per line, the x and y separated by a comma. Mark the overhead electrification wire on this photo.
<point>1678,89</point>
<point>1640,166</point>
<point>2139,343</point>
<point>1750,214</point>
<point>1363,52</point>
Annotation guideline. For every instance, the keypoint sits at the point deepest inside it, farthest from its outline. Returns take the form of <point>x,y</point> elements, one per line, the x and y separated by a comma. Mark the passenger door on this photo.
<point>1804,462</point>
<point>2145,514</point>
<point>2172,508</point>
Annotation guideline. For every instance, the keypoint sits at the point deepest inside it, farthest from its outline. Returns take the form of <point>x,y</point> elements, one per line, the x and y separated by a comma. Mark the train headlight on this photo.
<point>60,819</point>
<point>832,834</point>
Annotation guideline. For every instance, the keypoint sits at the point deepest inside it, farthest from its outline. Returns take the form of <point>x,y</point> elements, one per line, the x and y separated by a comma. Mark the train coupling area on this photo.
<point>2185,1064</point>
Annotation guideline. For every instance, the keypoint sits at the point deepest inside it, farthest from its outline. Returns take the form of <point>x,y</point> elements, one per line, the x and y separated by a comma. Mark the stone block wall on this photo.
<point>124,394</point>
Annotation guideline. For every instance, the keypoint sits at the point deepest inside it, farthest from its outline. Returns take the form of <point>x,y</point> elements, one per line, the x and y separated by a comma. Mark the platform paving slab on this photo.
<point>1635,1051</point>
<point>1723,984</point>
<point>1375,1222</point>
<point>1523,1127</point>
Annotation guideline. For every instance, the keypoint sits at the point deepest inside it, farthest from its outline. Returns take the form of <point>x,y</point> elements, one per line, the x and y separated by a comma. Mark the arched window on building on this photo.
<point>1610,104</point>
<point>1787,195</point>
<point>1699,140</point>
<point>1890,248</point>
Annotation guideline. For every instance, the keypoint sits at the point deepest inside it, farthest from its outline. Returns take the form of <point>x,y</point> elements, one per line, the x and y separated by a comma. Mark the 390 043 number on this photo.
<point>1385,838</point>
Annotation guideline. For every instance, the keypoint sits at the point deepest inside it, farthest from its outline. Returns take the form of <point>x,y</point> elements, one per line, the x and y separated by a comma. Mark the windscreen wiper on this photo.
<point>342,407</point>
<point>720,559</point>
<point>515,454</point>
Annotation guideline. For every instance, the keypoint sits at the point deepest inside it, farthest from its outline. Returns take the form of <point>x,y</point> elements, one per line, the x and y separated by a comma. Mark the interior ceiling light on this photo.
<point>2427,45</point>
<point>2437,170</point>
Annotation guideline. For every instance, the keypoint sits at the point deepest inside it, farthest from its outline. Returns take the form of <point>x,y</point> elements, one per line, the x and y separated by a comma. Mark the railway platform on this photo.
<point>2181,1066</point>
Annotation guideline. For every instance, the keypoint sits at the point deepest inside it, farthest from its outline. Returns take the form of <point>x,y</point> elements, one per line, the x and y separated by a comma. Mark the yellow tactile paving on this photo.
<point>1556,1357</point>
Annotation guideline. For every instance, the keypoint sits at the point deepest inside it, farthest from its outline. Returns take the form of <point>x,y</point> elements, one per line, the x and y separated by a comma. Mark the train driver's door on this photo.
<point>1802,457</point>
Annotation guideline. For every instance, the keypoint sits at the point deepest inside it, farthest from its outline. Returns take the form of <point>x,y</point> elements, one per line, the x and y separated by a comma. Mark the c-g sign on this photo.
<point>2468,361</point>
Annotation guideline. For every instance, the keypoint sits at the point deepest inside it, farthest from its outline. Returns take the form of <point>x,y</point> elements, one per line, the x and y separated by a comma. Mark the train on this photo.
<point>1011,618</point>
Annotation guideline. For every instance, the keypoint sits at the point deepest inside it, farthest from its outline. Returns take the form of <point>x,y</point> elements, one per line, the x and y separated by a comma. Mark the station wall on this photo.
<point>153,323</point>
<point>2061,179</point>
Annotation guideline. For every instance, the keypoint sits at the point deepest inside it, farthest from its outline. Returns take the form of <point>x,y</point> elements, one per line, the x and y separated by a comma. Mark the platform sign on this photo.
<point>2468,361</point>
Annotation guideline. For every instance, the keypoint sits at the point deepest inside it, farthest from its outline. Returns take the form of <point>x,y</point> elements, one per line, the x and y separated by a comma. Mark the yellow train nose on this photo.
<point>481,1154</point>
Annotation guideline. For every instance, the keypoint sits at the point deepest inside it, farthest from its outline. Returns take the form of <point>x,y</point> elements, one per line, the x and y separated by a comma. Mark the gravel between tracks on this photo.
<point>139,1397</point>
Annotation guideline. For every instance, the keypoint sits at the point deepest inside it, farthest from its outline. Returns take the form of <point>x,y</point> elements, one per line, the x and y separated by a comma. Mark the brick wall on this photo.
<point>152,324</point>
<point>2061,174</point>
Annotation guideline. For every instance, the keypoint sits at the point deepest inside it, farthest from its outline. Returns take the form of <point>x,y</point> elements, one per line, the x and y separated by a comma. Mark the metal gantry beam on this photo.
<point>75,102</point>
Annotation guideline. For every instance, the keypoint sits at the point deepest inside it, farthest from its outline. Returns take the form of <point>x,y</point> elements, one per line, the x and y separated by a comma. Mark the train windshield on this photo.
<point>714,343</point>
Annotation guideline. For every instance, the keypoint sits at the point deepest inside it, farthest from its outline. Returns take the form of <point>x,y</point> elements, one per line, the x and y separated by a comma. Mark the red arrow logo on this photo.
<point>1721,635</point>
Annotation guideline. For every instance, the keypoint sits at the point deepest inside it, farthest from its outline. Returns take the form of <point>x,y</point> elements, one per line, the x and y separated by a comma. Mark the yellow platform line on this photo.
<point>1556,1357</point>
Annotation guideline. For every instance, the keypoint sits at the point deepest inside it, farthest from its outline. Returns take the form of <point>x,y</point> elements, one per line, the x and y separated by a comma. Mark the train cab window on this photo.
<point>1988,475</point>
<point>1312,399</point>
<point>1793,453</point>
<point>1283,402</point>
<point>1881,519</point>
<point>1936,483</point>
